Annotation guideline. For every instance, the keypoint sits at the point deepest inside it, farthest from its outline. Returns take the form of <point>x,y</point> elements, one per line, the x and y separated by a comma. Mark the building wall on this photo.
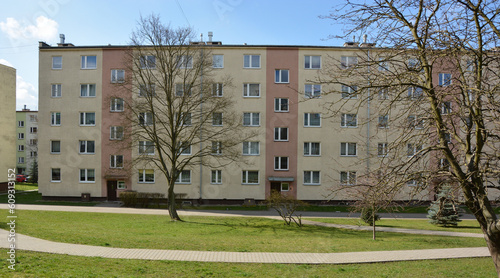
<point>26,154</point>
<point>7,121</point>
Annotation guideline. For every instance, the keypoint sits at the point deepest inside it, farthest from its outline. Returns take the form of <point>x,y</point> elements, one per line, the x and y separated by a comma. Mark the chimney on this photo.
<point>352,43</point>
<point>210,35</point>
<point>365,42</point>
<point>62,41</point>
<point>25,109</point>
<point>62,37</point>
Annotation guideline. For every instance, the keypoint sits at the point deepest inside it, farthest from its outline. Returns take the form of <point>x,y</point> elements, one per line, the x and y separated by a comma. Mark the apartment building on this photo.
<point>7,119</point>
<point>301,149</point>
<point>27,140</point>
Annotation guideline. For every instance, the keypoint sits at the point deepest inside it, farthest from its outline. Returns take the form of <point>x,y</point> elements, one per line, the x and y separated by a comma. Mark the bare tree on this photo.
<point>436,77</point>
<point>176,107</point>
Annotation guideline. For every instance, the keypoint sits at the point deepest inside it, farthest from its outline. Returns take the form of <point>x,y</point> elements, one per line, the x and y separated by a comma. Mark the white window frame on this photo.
<point>86,146</point>
<point>245,177</point>
<point>184,177</point>
<point>309,60</point>
<point>309,177</point>
<point>114,161</point>
<point>85,176</point>
<point>312,90</point>
<point>415,92</point>
<point>185,148</point>
<point>383,121</point>
<point>56,90</point>
<point>185,118</point>
<point>185,62</point>
<point>180,90</point>
<point>349,177</point>
<point>249,146</point>
<point>348,61</point>
<point>216,177</point>
<point>218,90</point>
<point>52,172</point>
<point>281,163</point>
<point>147,90</point>
<point>282,76</point>
<point>446,107</point>
<point>415,122</point>
<point>382,149</point>
<point>279,132</point>
<point>145,146</point>
<point>308,121</point>
<point>285,186</point>
<point>308,149</point>
<point>143,174</point>
<point>346,147</point>
<point>121,185</point>
<point>33,130</point>
<point>20,136</point>
<point>217,119</point>
<point>383,65</point>
<point>117,76</point>
<point>349,92</point>
<point>55,63</point>
<point>116,133</point>
<point>344,120</point>
<point>444,79</point>
<point>115,105</point>
<point>145,119</point>
<point>52,151</point>
<point>55,118</point>
<point>33,154</point>
<point>216,62</point>
<point>85,90</point>
<point>280,103</point>
<point>20,148</point>
<point>251,119</point>
<point>85,62</point>
<point>247,91</point>
<point>250,64</point>
<point>147,62</point>
<point>413,149</point>
<point>383,94</point>
<point>20,123</point>
<point>216,148</point>
<point>83,118</point>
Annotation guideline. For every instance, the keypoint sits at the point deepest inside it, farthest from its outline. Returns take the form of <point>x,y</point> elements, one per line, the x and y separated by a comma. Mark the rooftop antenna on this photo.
<point>201,37</point>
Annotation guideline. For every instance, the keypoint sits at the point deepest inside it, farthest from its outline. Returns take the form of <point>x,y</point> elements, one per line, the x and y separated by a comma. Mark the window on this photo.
<point>281,134</point>
<point>89,62</point>
<point>444,164</point>
<point>281,76</point>
<point>33,118</point>
<point>415,122</point>
<point>56,90</point>
<point>116,133</point>
<point>184,177</point>
<point>33,154</point>
<point>121,185</point>
<point>87,90</point>
<point>146,148</point>
<point>55,118</point>
<point>312,62</point>
<point>87,118</point>
<point>280,105</point>
<point>87,147</point>
<point>20,124</point>
<point>312,119</point>
<point>382,149</point>
<point>55,147</point>
<point>148,90</point>
<point>251,148</point>
<point>218,61</point>
<point>250,177</point>
<point>349,120</point>
<point>280,163</point>
<point>217,119</point>
<point>87,175</point>
<point>349,92</point>
<point>145,119</point>
<point>116,161</point>
<point>20,148</point>
<point>57,62</point>
<point>285,186</point>
<point>348,61</point>
<point>33,130</point>
<point>312,90</point>
<point>413,149</point>
<point>251,61</point>
<point>383,121</point>
<point>185,119</point>
<point>146,176</point>
<point>117,76</point>
<point>311,177</point>
<point>311,148</point>
<point>446,107</point>
<point>185,148</point>
<point>216,147</point>
<point>33,142</point>
<point>148,62</point>
<point>415,92</point>
<point>117,105</point>
<point>383,94</point>
<point>55,174</point>
<point>444,79</point>
<point>180,90</point>
<point>415,180</point>
<point>251,119</point>
<point>20,136</point>
<point>251,90</point>
<point>447,138</point>
<point>217,90</point>
<point>348,149</point>
<point>347,178</point>
<point>20,160</point>
<point>383,65</point>
<point>185,62</point>
<point>413,64</point>
<point>216,177</point>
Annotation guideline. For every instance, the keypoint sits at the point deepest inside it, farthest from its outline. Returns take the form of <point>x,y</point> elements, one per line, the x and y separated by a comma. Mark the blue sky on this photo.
<point>100,22</point>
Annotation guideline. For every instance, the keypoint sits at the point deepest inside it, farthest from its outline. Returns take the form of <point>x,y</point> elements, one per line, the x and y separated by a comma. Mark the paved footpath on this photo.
<point>24,242</point>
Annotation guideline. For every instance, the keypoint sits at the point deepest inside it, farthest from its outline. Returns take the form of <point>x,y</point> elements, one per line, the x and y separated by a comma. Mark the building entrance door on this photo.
<point>112,190</point>
<point>275,186</point>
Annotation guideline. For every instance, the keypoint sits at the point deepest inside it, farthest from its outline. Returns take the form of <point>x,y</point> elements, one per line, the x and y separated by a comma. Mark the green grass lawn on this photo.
<point>32,264</point>
<point>465,226</point>
<point>36,198</point>
<point>243,234</point>
<point>24,186</point>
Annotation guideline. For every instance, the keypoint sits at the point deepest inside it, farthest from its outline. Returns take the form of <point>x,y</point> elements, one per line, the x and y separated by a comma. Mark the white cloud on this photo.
<point>26,94</point>
<point>5,62</point>
<point>45,29</point>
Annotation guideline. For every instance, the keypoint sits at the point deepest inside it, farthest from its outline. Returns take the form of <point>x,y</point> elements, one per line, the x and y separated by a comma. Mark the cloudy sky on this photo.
<point>23,23</point>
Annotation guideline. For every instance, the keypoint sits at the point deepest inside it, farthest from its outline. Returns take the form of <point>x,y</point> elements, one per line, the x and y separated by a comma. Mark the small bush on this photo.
<point>143,199</point>
<point>368,217</point>
<point>129,198</point>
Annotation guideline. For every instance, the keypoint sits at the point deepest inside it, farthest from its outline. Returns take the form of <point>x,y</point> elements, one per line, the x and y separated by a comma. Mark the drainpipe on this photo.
<point>368,122</point>
<point>201,117</point>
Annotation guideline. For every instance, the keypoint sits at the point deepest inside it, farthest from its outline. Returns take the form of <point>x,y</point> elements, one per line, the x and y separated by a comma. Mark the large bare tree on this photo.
<point>179,118</point>
<point>434,79</point>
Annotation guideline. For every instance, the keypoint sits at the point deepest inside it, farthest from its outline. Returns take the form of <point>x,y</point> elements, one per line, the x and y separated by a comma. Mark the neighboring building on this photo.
<point>27,137</point>
<point>7,119</point>
<point>299,149</point>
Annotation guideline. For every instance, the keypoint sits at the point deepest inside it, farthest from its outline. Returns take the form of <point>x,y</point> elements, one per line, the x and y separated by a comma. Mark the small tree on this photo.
<point>34,172</point>
<point>443,211</point>
<point>286,205</point>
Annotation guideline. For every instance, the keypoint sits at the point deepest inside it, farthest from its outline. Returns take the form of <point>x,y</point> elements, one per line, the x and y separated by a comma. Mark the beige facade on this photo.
<point>27,140</point>
<point>7,122</point>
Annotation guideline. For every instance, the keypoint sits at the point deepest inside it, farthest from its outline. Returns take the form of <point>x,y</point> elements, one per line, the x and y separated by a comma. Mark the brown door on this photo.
<point>112,190</point>
<point>275,186</point>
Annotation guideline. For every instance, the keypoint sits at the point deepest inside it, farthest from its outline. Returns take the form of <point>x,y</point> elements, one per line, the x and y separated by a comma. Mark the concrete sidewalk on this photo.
<point>39,245</point>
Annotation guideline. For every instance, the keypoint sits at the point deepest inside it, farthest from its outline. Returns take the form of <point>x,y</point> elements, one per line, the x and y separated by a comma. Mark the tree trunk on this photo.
<point>494,248</point>
<point>172,210</point>
<point>373,225</point>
